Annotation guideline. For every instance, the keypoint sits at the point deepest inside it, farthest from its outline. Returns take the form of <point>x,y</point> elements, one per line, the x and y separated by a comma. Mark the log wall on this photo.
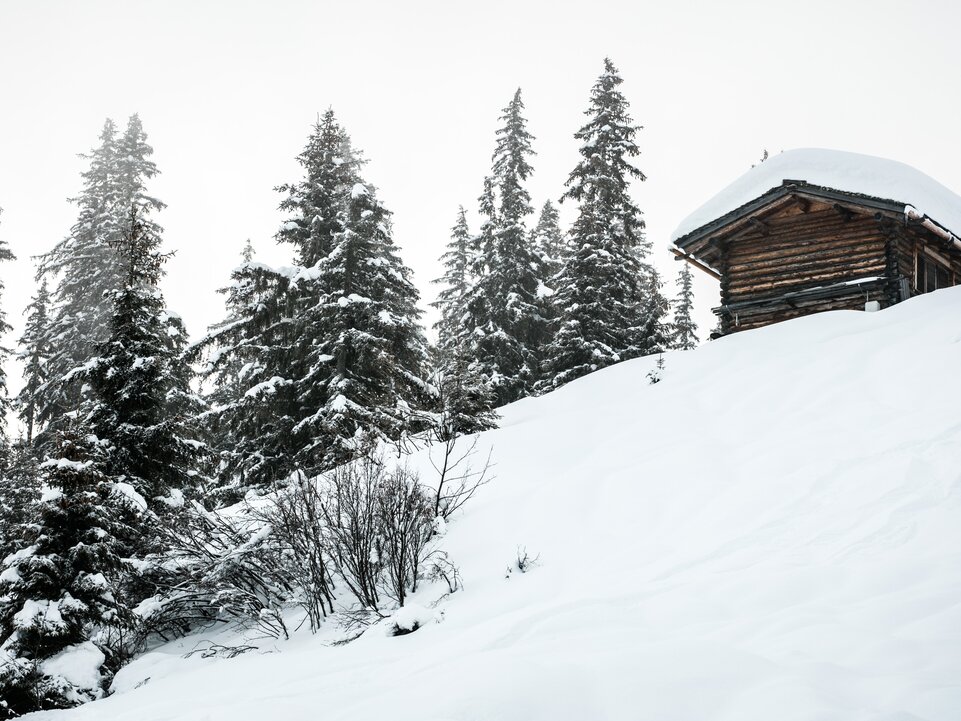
<point>799,248</point>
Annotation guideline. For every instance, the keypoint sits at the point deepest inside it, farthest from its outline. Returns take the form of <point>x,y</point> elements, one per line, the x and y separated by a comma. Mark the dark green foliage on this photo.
<point>685,329</point>
<point>464,403</point>
<point>550,242</point>
<point>87,267</point>
<point>35,351</point>
<point>505,325</point>
<point>607,297</point>
<point>6,404</point>
<point>456,283</point>
<point>314,205</point>
<point>367,364</point>
<point>19,493</point>
<point>141,398</point>
<point>313,358</point>
<point>62,587</point>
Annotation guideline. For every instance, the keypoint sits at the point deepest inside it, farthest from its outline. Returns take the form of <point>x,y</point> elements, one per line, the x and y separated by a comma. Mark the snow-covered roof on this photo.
<point>846,172</point>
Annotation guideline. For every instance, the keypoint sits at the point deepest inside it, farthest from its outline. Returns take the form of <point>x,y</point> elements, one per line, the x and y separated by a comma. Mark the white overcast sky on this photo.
<point>227,92</point>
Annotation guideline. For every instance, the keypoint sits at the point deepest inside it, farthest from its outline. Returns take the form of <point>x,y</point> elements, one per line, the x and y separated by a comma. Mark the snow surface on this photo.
<point>78,665</point>
<point>769,532</point>
<point>850,172</point>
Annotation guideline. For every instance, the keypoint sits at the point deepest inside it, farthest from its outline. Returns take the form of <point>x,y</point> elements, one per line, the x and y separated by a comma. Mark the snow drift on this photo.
<point>770,532</point>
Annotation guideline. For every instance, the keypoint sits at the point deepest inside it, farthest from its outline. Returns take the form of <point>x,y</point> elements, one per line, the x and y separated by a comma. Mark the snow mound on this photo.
<point>410,618</point>
<point>849,172</point>
<point>769,532</point>
<point>79,665</point>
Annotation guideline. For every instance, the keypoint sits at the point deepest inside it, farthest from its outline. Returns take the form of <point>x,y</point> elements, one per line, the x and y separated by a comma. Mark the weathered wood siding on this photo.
<point>797,248</point>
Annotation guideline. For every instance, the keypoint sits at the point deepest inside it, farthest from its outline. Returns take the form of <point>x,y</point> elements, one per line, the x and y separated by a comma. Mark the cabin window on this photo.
<point>931,275</point>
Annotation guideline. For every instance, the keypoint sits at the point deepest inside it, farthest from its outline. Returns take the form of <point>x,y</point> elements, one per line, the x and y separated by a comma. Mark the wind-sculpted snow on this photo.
<point>770,532</point>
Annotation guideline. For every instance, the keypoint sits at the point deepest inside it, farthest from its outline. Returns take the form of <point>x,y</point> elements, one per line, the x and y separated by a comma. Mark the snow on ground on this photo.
<point>851,172</point>
<point>770,532</point>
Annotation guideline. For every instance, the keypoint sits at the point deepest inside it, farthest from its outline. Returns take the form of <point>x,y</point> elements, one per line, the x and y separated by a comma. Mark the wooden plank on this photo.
<point>796,255</point>
<point>696,263</point>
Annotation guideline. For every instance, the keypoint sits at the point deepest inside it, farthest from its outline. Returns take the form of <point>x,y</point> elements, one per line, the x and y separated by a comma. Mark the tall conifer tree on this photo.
<point>607,296</point>
<point>367,371</point>
<point>5,402</point>
<point>685,329</point>
<point>330,349</point>
<point>87,267</point>
<point>142,402</point>
<point>505,325</point>
<point>455,282</point>
<point>550,242</point>
<point>34,353</point>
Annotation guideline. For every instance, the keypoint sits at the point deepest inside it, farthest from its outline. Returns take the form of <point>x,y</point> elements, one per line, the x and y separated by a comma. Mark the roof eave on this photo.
<point>787,187</point>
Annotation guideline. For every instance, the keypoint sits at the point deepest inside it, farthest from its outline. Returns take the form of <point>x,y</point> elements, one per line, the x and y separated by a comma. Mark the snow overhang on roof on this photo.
<point>893,185</point>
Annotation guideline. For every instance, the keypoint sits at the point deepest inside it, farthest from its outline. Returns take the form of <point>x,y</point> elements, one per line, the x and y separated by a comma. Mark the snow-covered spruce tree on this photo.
<point>656,330</point>
<point>59,592</point>
<point>685,329</point>
<point>505,324</point>
<point>602,297</point>
<point>87,267</point>
<point>550,242</point>
<point>34,353</point>
<point>257,358</point>
<point>327,349</point>
<point>5,403</point>
<point>315,205</point>
<point>141,401</point>
<point>251,363</point>
<point>456,284</point>
<point>464,401</point>
<point>19,492</point>
<point>366,370</point>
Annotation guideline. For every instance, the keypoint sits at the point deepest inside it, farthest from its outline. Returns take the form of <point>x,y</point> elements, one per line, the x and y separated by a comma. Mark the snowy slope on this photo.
<point>839,170</point>
<point>771,532</point>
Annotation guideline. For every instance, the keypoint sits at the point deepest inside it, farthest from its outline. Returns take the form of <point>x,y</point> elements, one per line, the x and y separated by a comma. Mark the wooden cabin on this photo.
<point>814,230</point>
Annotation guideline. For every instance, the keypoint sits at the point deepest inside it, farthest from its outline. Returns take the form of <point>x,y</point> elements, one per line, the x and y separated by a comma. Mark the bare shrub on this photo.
<point>295,519</point>
<point>457,478</point>
<point>220,569</point>
<point>405,521</point>
<point>349,512</point>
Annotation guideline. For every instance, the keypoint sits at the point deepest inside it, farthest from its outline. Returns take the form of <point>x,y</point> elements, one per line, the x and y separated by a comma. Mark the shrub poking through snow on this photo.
<point>364,536</point>
<point>523,563</point>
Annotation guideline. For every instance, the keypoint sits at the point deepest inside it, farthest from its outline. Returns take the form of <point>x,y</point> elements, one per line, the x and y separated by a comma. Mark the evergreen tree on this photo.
<point>5,402</point>
<point>505,325</point>
<point>19,493</point>
<point>312,357</point>
<point>60,592</point>
<point>456,283</point>
<point>257,356</point>
<point>550,242</point>
<point>366,371</point>
<point>35,352</point>
<point>87,266</point>
<point>465,402</point>
<point>253,406</point>
<point>315,204</point>
<point>656,330</point>
<point>141,396</point>
<point>607,295</point>
<point>685,329</point>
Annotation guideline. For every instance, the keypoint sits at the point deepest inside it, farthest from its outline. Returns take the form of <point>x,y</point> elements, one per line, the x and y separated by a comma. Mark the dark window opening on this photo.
<point>931,275</point>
